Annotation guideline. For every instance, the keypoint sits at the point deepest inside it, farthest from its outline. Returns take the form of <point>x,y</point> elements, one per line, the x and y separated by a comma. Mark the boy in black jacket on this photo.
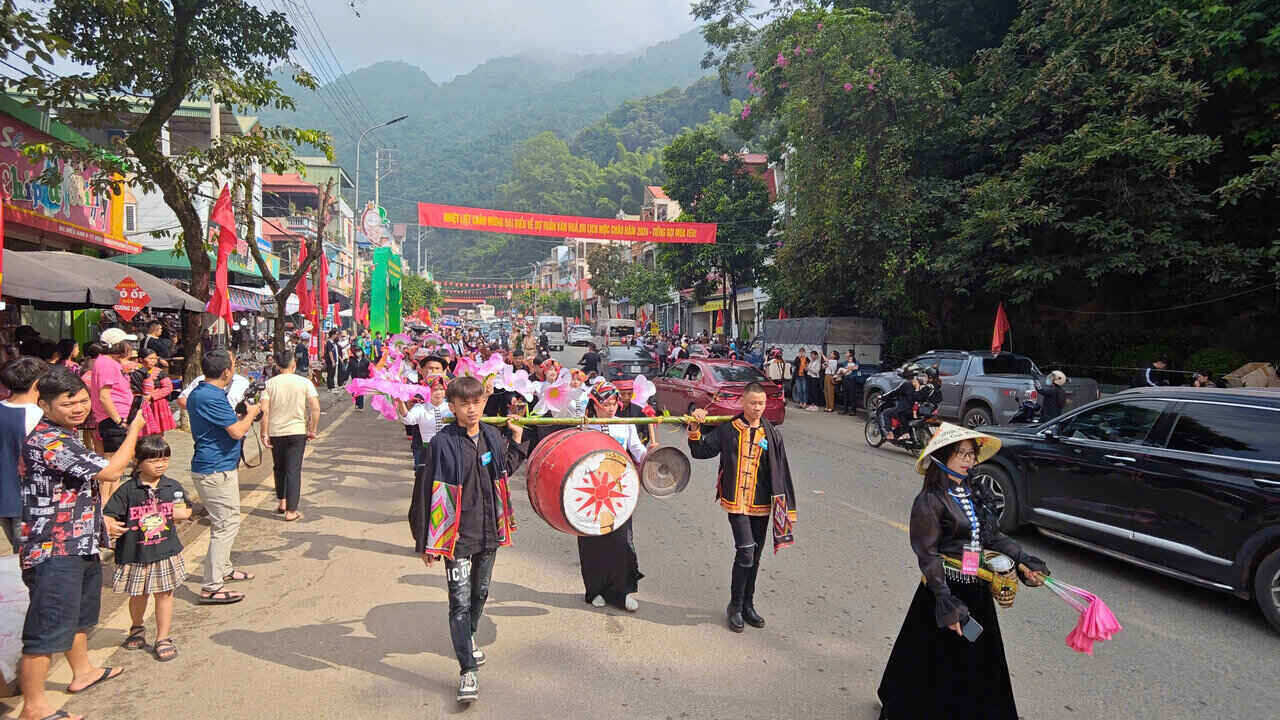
<point>461,511</point>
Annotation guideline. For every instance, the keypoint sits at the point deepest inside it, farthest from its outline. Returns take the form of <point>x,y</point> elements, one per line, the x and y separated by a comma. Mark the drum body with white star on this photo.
<point>582,482</point>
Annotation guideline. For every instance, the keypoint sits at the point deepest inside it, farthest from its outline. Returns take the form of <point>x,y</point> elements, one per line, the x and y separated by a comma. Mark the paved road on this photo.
<point>343,621</point>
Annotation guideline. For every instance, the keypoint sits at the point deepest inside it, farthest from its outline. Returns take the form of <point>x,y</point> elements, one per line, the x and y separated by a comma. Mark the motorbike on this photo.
<point>1028,413</point>
<point>920,429</point>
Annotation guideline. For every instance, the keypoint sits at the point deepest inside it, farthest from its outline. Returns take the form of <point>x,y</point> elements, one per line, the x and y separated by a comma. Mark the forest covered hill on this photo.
<point>462,139</point>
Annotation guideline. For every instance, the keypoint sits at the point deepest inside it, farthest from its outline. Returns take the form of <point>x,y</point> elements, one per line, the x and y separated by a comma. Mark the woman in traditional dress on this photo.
<point>935,671</point>
<point>154,385</point>
<point>610,568</point>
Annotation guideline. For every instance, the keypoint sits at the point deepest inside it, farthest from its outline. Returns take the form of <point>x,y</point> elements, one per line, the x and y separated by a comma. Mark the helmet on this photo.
<point>931,372</point>
<point>911,370</point>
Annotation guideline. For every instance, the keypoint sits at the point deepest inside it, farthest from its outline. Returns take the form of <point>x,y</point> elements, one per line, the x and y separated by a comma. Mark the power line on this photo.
<point>342,77</point>
<point>342,115</point>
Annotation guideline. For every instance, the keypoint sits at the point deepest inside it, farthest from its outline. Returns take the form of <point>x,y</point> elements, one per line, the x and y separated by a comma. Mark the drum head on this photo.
<point>600,492</point>
<point>665,472</point>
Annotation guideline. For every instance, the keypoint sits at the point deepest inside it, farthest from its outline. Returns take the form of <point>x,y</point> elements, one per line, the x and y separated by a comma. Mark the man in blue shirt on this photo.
<point>216,432</point>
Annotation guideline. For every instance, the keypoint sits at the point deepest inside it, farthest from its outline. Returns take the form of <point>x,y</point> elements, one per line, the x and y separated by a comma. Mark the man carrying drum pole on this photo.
<point>754,487</point>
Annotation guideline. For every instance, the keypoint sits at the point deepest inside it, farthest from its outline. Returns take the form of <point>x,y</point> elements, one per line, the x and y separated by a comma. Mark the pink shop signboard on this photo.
<point>69,207</point>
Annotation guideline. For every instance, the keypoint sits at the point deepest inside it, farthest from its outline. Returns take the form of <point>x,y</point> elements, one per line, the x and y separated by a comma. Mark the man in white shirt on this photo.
<point>429,417</point>
<point>290,416</point>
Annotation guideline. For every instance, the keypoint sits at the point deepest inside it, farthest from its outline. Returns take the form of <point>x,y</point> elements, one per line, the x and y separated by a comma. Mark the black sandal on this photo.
<point>221,597</point>
<point>165,650</point>
<point>137,638</point>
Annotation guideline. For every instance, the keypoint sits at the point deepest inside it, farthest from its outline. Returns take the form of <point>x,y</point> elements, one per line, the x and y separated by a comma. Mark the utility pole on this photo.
<point>382,159</point>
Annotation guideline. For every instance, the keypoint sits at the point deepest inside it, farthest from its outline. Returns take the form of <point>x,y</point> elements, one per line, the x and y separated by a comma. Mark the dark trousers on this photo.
<point>749,536</point>
<point>359,402</point>
<point>329,372</point>
<point>342,372</point>
<point>468,580</point>
<point>286,461</point>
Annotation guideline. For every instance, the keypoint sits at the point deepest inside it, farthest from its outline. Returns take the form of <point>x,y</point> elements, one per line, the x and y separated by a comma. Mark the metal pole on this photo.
<point>358,142</point>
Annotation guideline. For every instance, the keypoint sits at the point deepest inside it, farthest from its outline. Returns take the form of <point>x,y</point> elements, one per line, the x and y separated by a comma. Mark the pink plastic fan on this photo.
<point>1096,623</point>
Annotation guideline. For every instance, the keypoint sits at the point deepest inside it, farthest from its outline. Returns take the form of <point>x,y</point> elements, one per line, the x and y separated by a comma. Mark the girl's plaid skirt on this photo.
<point>150,578</point>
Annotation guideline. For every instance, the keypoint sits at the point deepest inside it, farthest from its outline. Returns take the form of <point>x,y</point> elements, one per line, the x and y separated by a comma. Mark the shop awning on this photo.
<point>243,300</point>
<point>164,263</point>
<point>68,281</point>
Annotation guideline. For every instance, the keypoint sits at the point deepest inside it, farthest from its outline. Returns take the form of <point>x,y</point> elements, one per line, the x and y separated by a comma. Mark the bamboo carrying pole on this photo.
<point>579,421</point>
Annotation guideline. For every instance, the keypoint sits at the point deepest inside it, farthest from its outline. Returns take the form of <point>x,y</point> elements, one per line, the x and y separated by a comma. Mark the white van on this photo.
<point>553,327</point>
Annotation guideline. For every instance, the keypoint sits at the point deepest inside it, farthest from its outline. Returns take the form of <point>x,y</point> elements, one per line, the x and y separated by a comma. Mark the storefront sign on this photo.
<point>710,306</point>
<point>465,218</point>
<point>132,299</point>
<point>70,206</point>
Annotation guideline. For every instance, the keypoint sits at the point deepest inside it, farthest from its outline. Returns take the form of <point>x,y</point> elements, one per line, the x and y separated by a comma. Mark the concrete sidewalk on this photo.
<point>255,483</point>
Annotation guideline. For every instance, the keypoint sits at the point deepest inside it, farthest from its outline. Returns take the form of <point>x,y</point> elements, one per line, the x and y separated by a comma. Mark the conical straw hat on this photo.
<point>949,434</point>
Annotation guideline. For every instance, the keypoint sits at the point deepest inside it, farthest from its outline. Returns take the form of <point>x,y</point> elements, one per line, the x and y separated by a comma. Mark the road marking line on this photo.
<point>60,671</point>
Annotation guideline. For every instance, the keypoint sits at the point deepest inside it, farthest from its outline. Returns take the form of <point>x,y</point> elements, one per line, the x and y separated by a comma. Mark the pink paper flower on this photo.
<point>819,26</point>
<point>555,396</point>
<point>516,381</point>
<point>491,367</point>
<point>746,111</point>
<point>848,87</point>
<point>796,51</point>
<point>641,390</point>
<point>782,61</point>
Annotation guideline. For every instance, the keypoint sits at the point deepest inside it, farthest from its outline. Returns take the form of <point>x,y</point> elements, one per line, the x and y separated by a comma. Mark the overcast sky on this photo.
<point>450,37</point>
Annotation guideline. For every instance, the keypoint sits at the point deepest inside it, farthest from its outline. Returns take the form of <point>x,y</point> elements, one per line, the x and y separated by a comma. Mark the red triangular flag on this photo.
<point>224,219</point>
<point>1002,327</point>
<point>719,321</point>
<point>782,313</point>
<point>302,289</point>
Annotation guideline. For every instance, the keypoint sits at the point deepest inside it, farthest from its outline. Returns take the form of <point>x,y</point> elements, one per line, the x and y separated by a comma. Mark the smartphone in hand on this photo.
<point>971,630</point>
<point>134,408</point>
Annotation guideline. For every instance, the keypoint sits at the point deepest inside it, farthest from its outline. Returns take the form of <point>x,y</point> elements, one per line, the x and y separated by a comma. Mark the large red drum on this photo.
<point>582,482</point>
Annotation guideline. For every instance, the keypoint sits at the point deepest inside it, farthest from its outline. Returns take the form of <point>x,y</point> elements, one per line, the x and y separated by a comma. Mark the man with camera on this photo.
<point>216,432</point>
<point>286,427</point>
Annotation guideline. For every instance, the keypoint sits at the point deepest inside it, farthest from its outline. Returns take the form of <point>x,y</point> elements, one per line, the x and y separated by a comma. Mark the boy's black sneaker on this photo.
<point>468,687</point>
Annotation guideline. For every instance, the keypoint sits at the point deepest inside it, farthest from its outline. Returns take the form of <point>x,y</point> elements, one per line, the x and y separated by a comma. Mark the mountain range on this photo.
<point>456,145</point>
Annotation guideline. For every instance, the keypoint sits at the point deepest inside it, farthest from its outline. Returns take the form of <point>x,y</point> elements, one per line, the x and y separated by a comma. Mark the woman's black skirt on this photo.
<point>610,567</point>
<point>935,673</point>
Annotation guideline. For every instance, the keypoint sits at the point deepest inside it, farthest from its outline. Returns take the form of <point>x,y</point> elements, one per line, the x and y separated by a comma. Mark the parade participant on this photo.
<point>610,568</point>
<point>626,408</point>
<point>941,666</point>
<point>59,548</point>
<point>754,487</point>
<point>461,511</point>
<point>427,417</point>
<point>359,368</point>
<point>140,516</point>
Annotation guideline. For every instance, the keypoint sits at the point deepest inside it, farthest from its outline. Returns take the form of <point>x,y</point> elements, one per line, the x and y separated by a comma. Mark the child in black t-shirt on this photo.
<point>141,515</point>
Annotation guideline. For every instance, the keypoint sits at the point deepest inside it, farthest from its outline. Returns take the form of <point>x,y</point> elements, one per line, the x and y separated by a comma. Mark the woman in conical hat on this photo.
<point>934,669</point>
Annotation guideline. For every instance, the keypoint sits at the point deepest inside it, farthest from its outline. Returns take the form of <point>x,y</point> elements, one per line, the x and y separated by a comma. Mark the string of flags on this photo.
<point>487,286</point>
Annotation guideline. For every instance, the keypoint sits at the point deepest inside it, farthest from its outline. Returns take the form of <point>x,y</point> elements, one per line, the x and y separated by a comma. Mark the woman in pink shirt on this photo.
<point>110,390</point>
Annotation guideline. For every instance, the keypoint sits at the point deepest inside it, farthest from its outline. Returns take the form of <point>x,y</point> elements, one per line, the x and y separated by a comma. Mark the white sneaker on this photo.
<point>476,652</point>
<point>597,601</point>
<point>630,603</point>
<point>468,687</point>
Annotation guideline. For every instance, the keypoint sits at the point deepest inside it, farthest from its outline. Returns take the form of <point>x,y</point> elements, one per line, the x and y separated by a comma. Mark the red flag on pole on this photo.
<point>301,289</point>
<point>1001,328</point>
<point>719,321</point>
<point>224,219</point>
<point>644,320</point>
<point>322,292</point>
<point>782,313</point>
<point>355,303</point>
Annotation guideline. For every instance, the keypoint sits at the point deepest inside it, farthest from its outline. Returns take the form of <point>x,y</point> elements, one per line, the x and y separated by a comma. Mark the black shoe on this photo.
<point>735,619</point>
<point>752,617</point>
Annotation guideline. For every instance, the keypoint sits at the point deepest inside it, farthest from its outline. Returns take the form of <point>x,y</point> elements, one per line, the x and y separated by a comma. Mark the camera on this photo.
<point>250,397</point>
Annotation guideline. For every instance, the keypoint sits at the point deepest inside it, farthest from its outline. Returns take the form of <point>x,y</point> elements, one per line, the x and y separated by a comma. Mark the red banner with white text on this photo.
<point>451,217</point>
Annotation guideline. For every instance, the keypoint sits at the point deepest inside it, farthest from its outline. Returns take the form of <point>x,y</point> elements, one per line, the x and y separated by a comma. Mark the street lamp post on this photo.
<point>360,140</point>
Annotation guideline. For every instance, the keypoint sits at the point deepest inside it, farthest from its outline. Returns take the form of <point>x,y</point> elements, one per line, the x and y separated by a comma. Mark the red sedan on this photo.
<point>715,384</point>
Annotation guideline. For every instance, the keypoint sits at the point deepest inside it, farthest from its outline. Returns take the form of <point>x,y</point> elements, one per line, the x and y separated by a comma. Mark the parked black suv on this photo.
<point>1183,481</point>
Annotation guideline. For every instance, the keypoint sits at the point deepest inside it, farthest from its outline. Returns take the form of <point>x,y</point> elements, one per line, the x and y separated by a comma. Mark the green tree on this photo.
<point>417,293</point>
<point>608,270</point>
<point>712,186</point>
<point>223,50</point>
<point>558,302</point>
<point>645,286</point>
